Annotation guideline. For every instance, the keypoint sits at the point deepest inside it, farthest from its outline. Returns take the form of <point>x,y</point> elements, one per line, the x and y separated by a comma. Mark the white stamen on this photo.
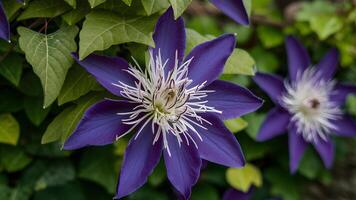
<point>308,99</point>
<point>167,100</point>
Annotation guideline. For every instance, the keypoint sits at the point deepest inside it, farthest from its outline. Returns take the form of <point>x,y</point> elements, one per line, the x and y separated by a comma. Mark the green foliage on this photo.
<point>244,178</point>
<point>9,129</point>
<point>50,57</point>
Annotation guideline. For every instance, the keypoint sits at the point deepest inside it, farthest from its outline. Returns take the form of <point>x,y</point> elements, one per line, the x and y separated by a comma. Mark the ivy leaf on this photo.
<point>14,159</point>
<point>44,8</point>
<point>9,129</point>
<point>64,124</point>
<point>179,6</point>
<point>92,168</point>
<point>104,29</point>
<point>34,110</point>
<point>243,178</point>
<point>77,84</point>
<point>50,57</point>
<point>153,6</point>
<point>11,68</point>
<point>73,3</point>
<point>94,3</point>
<point>77,14</point>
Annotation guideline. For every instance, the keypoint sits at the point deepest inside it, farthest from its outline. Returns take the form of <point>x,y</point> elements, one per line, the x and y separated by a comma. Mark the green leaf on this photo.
<point>34,110</point>
<point>50,57</point>
<point>206,192</point>
<point>14,159</point>
<point>9,129</point>
<point>235,125</point>
<point>11,7</point>
<point>78,83</point>
<point>310,165</point>
<point>240,62</point>
<point>94,3</point>
<point>44,8</point>
<point>179,6</point>
<point>325,26</point>
<point>11,68</point>
<point>153,6</point>
<point>243,178</point>
<point>266,61</point>
<point>74,16</point>
<point>158,176</point>
<point>64,124</point>
<point>58,173</point>
<point>92,168</point>
<point>104,29</point>
<point>73,3</point>
<point>127,2</point>
<point>351,104</point>
<point>69,191</point>
<point>30,84</point>
<point>10,100</point>
<point>269,36</point>
<point>256,120</point>
<point>283,184</point>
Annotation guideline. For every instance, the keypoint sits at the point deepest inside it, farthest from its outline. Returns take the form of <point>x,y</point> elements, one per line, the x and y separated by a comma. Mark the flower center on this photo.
<point>307,99</point>
<point>166,100</point>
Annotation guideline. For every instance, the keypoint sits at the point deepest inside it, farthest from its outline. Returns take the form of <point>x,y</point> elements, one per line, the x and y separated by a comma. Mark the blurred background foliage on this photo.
<point>33,166</point>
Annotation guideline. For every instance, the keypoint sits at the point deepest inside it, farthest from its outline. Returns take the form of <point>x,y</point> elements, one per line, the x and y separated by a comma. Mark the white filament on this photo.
<point>308,99</point>
<point>166,101</point>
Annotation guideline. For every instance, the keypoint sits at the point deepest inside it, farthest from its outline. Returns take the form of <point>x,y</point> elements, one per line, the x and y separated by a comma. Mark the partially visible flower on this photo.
<point>233,194</point>
<point>175,107</point>
<point>308,104</point>
<point>4,24</point>
<point>234,9</point>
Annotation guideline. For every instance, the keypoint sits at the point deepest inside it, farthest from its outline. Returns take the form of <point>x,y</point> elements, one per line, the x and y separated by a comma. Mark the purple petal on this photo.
<point>275,124</point>
<point>209,59</point>
<point>341,91</point>
<point>231,99</point>
<point>141,157</point>
<point>326,151</point>
<point>328,64</point>
<point>298,58</point>
<point>100,125</point>
<point>232,194</point>
<point>345,126</point>
<point>234,9</point>
<point>272,84</point>
<point>218,144</point>
<point>183,166</point>
<point>297,146</point>
<point>4,24</point>
<point>169,37</point>
<point>107,71</point>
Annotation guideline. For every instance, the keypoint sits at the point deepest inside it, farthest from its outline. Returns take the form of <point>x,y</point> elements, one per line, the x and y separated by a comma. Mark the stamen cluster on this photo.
<point>166,100</point>
<point>308,99</point>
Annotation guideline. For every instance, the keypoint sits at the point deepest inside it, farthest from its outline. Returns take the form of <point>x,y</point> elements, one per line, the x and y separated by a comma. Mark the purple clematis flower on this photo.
<point>234,9</point>
<point>4,24</point>
<point>308,105</point>
<point>175,107</point>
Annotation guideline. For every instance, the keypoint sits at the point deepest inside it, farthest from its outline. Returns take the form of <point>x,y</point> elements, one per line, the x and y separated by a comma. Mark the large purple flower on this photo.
<point>234,9</point>
<point>175,107</point>
<point>308,104</point>
<point>4,24</point>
